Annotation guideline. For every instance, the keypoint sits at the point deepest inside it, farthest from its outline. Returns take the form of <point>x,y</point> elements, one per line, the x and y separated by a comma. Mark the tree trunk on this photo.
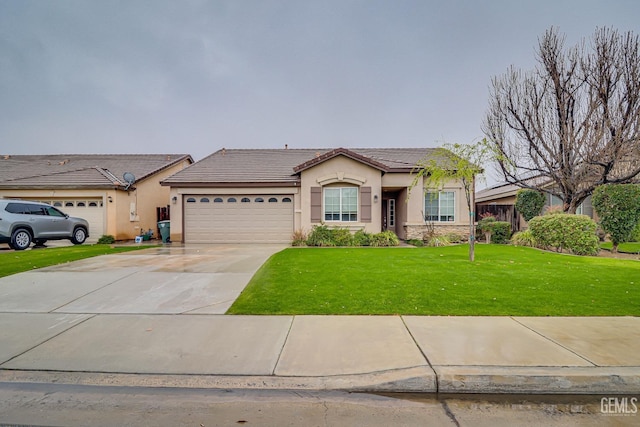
<point>472,220</point>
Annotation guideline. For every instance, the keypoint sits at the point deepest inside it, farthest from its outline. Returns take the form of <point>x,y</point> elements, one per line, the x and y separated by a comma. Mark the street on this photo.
<point>82,405</point>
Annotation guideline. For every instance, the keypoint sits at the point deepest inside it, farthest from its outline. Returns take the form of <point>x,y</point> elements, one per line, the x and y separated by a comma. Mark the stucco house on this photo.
<point>92,186</point>
<point>264,195</point>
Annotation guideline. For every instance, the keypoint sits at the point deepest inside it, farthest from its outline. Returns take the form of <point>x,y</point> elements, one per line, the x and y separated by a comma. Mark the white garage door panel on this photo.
<point>90,209</point>
<point>239,222</point>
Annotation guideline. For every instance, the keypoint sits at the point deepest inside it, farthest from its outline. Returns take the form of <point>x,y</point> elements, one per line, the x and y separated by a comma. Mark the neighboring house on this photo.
<point>265,195</point>
<point>500,201</point>
<point>92,186</point>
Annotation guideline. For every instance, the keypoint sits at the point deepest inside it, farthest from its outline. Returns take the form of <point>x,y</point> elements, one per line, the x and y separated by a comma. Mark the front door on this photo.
<point>389,215</point>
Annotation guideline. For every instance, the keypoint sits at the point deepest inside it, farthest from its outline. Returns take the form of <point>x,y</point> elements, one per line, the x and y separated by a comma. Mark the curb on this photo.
<point>446,380</point>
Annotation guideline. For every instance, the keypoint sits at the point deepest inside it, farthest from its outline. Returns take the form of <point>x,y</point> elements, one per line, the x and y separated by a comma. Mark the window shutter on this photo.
<point>316,204</point>
<point>365,204</point>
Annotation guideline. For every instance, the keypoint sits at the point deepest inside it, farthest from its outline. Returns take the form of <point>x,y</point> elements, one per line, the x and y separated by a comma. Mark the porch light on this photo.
<point>174,199</point>
<point>375,198</point>
<point>110,199</point>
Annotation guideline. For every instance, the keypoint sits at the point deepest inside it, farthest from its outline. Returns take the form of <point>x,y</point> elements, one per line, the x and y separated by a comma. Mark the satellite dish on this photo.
<point>129,178</point>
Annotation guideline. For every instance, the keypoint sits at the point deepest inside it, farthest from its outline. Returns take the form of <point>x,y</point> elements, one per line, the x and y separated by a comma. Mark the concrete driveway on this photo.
<point>198,279</point>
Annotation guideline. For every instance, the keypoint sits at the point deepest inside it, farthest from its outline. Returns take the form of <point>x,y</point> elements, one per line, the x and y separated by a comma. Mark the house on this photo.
<point>92,186</point>
<point>264,195</point>
<point>500,200</point>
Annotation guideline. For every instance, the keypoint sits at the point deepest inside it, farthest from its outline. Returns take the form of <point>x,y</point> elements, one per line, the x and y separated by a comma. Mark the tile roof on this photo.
<point>229,166</point>
<point>80,170</point>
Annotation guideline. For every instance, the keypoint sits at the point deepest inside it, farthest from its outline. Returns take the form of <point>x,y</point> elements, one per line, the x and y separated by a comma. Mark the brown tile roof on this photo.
<point>271,166</point>
<point>80,170</point>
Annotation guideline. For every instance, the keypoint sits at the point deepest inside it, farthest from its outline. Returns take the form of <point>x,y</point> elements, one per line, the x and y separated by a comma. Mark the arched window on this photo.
<point>259,200</point>
<point>217,200</point>
<point>93,205</point>
<point>231,200</point>
<point>204,200</point>
<point>286,200</point>
<point>58,204</point>
<point>81,204</point>
<point>191,200</point>
<point>245,200</point>
<point>273,200</point>
<point>68,204</point>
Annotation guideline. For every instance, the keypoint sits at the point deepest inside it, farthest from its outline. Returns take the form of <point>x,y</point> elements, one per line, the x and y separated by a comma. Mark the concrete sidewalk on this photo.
<point>364,353</point>
<point>155,318</point>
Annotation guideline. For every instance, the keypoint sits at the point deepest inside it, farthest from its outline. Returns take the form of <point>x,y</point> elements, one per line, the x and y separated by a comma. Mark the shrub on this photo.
<point>342,237</point>
<point>454,237</point>
<point>320,235</point>
<point>524,238</point>
<point>529,203</point>
<point>415,242</point>
<point>575,233</point>
<point>437,241</point>
<point>618,207</point>
<point>553,210</point>
<point>298,238</point>
<point>500,232</point>
<point>635,234</point>
<point>361,238</point>
<point>106,239</point>
<point>386,238</point>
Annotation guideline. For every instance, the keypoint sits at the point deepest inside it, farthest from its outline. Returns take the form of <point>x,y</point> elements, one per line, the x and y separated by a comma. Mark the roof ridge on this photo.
<point>50,174</point>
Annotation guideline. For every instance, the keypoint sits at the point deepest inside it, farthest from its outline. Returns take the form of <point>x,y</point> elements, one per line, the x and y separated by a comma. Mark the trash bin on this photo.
<point>165,231</point>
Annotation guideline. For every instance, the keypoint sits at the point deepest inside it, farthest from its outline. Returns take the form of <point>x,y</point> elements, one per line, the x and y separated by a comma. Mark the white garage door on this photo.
<point>90,209</point>
<point>238,218</point>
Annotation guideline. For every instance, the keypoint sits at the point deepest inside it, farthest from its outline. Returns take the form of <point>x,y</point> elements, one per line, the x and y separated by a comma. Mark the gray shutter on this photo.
<point>316,204</point>
<point>365,204</point>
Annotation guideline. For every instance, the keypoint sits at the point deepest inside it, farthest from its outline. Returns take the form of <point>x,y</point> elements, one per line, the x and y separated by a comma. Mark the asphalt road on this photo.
<point>79,405</point>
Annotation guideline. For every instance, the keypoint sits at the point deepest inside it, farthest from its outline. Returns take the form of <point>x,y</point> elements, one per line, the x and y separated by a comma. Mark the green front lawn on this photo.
<point>625,248</point>
<point>503,281</point>
<point>12,262</point>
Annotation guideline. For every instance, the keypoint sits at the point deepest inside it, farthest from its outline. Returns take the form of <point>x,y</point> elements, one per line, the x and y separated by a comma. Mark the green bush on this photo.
<point>342,237</point>
<point>524,238</point>
<point>320,235</point>
<point>575,233</point>
<point>415,242</point>
<point>500,232</point>
<point>529,203</point>
<point>635,234</point>
<point>618,207</point>
<point>386,238</point>
<point>106,239</point>
<point>361,238</point>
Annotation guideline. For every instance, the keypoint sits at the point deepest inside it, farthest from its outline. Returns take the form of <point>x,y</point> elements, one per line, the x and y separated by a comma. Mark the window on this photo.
<point>392,212</point>
<point>439,207</point>
<point>191,200</point>
<point>286,200</point>
<point>273,200</point>
<point>341,204</point>
<point>556,202</point>
<point>231,200</point>
<point>58,204</point>
<point>51,211</point>
<point>217,200</point>
<point>82,204</point>
<point>245,200</point>
<point>68,204</point>
<point>204,200</point>
<point>259,200</point>
<point>93,204</point>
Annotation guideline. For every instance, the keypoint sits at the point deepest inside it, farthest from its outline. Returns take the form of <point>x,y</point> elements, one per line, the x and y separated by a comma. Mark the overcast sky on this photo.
<point>195,76</point>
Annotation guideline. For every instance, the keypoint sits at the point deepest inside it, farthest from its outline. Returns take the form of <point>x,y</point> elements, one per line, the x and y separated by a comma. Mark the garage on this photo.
<point>238,218</point>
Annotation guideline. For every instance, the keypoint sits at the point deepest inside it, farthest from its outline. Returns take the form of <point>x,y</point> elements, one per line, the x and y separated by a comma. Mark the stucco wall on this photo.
<point>342,171</point>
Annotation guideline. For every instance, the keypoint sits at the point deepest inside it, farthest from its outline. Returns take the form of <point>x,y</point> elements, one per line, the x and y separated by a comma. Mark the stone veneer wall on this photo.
<point>417,231</point>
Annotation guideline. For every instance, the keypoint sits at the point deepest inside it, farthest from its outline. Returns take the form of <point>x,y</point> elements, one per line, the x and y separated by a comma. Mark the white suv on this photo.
<point>23,222</point>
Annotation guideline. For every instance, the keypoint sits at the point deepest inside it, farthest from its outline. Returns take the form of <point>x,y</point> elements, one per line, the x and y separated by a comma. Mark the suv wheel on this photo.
<point>21,239</point>
<point>79,236</point>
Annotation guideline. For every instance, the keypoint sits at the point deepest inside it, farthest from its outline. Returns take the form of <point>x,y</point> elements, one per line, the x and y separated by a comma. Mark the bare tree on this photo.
<point>573,121</point>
